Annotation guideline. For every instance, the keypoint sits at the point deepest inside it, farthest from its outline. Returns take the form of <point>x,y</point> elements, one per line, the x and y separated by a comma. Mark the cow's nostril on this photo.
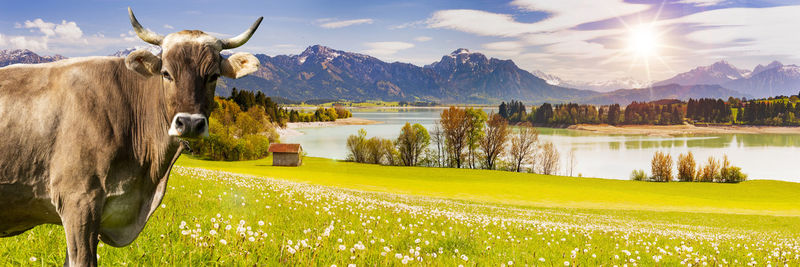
<point>201,125</point>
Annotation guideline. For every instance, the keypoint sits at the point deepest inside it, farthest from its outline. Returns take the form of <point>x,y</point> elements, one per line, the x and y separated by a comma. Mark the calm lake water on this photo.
<point>761,156</point>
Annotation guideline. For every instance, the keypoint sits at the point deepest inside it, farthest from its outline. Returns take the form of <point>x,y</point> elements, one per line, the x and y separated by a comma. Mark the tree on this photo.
<point>661,167</point>
<point>571,162</point>
<point>730,174</point>
<point>374,151</point>
<point>523,144</point>
<point>356,146</point>
<point>494,140</point>
<point>710,172</point>
<point>455,127</point>
<point>437,137</point>
<point>477,121</point>
<point>686,167</point>
<point>412,143</point>
<point>548,159</point>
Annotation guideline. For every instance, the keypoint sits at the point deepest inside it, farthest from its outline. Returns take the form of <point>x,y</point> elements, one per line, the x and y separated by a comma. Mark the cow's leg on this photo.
<point>81,219</point>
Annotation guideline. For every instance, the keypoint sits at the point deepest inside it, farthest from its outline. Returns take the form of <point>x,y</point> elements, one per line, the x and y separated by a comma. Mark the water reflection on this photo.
<point>766,156</point>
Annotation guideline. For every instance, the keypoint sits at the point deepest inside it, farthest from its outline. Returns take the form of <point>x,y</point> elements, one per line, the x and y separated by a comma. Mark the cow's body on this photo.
<point>88,143</point>
<point>82,130</point>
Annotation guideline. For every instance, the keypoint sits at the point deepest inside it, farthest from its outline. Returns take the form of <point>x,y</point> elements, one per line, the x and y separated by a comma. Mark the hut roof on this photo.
<point>285,148</point>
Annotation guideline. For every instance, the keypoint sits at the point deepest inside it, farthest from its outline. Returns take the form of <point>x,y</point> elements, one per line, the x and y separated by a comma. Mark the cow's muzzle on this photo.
<point>189,125</point>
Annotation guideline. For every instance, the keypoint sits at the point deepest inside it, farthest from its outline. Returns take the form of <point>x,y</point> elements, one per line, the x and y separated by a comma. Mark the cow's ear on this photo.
<point>239,65</point>
<point>143,62</point>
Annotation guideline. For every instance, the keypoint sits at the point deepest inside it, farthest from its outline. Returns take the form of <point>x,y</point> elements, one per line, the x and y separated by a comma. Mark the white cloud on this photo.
<point>21,42</point>
<point>564,14</point>
<point>63,38</point>
<point>69,30</point>
<point>422,38</point>
<point>345,23</point>
<point>386,48</point>
<point>167,26</point>
<point>478,22</point>
<point>750,31</point>
<point>702,3</point>
<point>505,45</point>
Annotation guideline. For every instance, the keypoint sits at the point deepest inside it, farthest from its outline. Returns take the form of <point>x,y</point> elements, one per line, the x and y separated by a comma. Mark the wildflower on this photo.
<point>566,263</point>
<point>510,263</point>
<point>33,258</point>
<point>342,247</point>
<point>222,241</point>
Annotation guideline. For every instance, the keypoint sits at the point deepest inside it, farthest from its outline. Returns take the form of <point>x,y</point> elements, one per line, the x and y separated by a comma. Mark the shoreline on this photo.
<point>291,127</point>
<point>673,130</point>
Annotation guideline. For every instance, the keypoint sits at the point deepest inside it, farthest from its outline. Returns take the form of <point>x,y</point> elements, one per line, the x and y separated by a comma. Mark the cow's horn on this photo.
<point>145,34</point>
<point>239,40</point>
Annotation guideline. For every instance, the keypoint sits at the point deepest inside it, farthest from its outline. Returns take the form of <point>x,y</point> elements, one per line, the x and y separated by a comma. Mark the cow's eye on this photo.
<point>213,78</point>
<point>165,74</point>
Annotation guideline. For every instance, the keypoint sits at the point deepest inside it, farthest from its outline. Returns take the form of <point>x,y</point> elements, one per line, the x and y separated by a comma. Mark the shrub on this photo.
<point>730,174</point>
<point>638,175</point>
<point>710,172</point>
<point>686,167</point>
<point>357,146</point>
<point>661,166</point>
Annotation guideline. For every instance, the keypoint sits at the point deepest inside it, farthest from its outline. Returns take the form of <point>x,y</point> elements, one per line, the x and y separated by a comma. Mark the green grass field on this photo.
<point>337,213</point>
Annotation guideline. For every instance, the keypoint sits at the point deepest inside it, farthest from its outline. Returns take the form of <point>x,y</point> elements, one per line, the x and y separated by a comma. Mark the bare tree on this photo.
<point>548,159</point>
<point>493,142</point>
<point>661,167</point>
<point>437,137</point>
<point>571,162</point>
<point>523,144</point>
<point>455,126</point>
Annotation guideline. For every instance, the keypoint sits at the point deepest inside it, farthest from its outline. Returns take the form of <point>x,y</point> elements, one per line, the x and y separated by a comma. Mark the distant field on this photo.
<point>312,216</point>
<point>499,187</point>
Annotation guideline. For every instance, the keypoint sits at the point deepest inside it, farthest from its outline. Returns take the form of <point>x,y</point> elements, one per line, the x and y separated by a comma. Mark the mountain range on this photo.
<point>24,56</point>
<point>600,86</point>
<point>763,81</point>
<point>460,77</point>
<point>463,76</point>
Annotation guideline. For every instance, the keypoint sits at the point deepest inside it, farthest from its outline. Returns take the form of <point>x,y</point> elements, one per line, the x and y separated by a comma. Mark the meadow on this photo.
<point>329,213</point>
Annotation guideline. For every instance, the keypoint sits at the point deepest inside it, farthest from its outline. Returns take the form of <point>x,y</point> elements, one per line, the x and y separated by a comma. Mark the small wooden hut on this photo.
<point>286,154</point>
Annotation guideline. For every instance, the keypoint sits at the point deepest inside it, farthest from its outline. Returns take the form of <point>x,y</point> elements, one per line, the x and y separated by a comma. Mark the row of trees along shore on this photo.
<point>463,138</point>
<point>773,111</point>
<point>282,115</point>
<point>242,126</point>
<point>689,171</point>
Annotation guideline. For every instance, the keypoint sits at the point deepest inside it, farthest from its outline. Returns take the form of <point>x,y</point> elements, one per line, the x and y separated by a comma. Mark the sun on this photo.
<point>643,41</point>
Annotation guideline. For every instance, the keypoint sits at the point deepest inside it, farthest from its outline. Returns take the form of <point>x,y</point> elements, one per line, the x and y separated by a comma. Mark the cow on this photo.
<point>88,143</point>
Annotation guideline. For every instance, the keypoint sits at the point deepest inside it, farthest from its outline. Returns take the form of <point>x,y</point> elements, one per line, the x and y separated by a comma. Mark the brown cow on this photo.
<point>88,143</point>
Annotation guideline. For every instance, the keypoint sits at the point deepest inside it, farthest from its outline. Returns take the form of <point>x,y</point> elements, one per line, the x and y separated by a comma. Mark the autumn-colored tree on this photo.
<point>661,167</point>
<point>523,144</point>
<point>710,172</point>
<point>455,127</point>
<point>494,140</point>
<point>686,167</point>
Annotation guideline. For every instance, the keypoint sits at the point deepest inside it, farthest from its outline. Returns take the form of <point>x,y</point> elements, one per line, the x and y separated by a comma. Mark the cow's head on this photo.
<point>189,66</point>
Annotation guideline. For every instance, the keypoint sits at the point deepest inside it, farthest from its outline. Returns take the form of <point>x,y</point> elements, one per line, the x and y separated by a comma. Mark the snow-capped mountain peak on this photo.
<point>125,52</point>
<point>602,86</point>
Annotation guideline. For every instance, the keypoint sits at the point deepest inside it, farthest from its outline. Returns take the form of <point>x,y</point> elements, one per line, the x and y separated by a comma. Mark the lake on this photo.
<point>761,156</point>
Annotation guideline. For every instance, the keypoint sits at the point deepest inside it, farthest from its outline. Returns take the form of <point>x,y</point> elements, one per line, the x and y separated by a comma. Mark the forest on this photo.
<point>773,111</point>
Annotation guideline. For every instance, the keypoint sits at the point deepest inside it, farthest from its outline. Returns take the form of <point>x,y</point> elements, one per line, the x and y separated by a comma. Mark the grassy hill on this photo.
<point>525,189</point>
<point>234,213</point>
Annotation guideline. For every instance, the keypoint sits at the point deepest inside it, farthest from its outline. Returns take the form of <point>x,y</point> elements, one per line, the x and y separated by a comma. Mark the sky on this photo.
<point>583,40</point>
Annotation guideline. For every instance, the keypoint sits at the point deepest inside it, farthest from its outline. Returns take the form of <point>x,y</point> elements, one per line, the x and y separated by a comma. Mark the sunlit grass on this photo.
<point>275,221</point>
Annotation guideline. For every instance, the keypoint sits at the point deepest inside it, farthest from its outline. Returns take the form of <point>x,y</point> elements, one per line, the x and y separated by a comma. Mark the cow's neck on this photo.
<point>152,147</point>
